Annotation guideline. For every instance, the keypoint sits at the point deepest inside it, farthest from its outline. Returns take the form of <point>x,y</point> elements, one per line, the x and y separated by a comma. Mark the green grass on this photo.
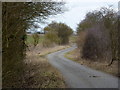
<point>30,39</point>
<point>73,39</point>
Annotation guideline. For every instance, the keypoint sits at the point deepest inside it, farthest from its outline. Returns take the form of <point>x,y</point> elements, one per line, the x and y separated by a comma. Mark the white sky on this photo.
<point>79,8</point>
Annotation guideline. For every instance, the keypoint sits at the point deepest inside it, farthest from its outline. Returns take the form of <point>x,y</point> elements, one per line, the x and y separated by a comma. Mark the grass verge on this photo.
<point>97,65</point>
<point>39,73</point>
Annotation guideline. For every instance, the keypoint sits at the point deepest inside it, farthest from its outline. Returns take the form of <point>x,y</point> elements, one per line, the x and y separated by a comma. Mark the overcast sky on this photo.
<point>77,10</point>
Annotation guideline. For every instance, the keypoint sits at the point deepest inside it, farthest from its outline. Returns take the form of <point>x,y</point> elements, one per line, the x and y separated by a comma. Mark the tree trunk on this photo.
<point>111,62</point>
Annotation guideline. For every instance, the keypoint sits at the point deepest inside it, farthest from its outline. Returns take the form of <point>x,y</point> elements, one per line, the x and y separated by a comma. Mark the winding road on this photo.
<point>79,76</point>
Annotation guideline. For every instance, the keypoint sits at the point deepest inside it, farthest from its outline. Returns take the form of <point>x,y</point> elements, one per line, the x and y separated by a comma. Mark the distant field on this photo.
<point>73,39</point>
<point>30,39</point>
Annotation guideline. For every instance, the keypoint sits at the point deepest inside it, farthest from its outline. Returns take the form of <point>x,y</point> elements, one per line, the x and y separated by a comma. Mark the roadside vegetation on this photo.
<point>97,65</point>
<point>24,63</point>
<point>98,41</point>
<point>57,33</point>
<point>38,72</point>
<point>30,40</point>
<point>17,18</point>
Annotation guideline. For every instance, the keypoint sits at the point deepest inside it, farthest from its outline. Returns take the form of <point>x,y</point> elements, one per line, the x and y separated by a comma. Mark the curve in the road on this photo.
<point>79,76</point>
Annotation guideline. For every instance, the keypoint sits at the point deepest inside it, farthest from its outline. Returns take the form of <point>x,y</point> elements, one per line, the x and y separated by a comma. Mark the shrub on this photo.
<point>61,30</point>
<point>46,43</point>
<point>96,44</point>
<point>51,38</point>
<point>101,39</point>
<point>36,38</point>
<point>81,39</point>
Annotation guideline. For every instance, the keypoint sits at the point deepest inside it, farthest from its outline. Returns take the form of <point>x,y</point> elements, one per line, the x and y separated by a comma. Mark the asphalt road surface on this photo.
<point>79,76</point>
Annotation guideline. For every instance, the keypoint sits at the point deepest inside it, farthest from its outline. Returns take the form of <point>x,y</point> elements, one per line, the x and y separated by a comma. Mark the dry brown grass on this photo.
<point>102,66</point>
<point>50,50</point>
<point>39,73</point>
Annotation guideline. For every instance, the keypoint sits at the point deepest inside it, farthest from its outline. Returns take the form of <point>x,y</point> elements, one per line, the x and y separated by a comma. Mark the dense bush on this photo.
<point>64,32</point>
<point>47,43</point>
<point>81,39</point>
<point>17,17</point>
<point>102,33</point>
<point>51,38</point>
<point>119,38</point>
<point>97,44</point>
<point>61,30</point>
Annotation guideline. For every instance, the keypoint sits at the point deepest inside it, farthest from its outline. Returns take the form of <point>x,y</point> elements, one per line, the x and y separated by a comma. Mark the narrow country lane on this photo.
<point>79,76</point>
